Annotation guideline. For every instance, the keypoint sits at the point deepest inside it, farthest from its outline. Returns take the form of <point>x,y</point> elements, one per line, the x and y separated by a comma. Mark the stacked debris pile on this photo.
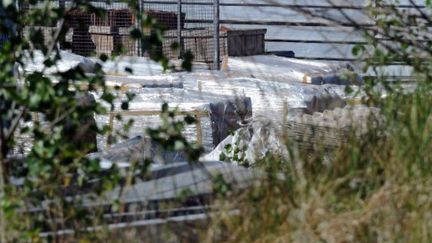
<point>319,132</point>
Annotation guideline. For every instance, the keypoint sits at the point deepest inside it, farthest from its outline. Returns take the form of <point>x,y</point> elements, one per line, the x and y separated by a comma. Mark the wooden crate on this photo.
<point>168,20</point>
<point>109,39</point>
<point>130,45</point>
<point>78,19</point>
<point>115,18</point>
<point>199,41</point>
<point>246,42</point>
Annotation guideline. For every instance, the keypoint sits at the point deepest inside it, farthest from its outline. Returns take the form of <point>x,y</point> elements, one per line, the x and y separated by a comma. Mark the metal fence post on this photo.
<point>216,39</point>
<point>179,26</point>
<point>138,21</point>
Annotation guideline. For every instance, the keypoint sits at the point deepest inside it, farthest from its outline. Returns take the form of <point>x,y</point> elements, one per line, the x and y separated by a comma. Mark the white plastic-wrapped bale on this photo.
<point>285,70</point>
<point>217,115</point>
<point>68,61</point>
<point>271,100</point>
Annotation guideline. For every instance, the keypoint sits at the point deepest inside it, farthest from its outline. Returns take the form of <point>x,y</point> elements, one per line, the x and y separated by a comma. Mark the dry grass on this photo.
<point>377,189</point>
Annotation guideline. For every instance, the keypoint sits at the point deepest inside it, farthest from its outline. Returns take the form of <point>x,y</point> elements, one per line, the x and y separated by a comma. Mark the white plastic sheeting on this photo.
<point>276,86</point>
<point>282,69</point>
<point>249,145</point>
<point>68,61</point>
<point>270,99</point>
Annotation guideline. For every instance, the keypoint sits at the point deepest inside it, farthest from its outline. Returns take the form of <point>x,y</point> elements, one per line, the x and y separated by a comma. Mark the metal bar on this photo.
<point>216,40</point>
<point>179,27</point>
<point>328,59</point>
<point>199,133</point>
<point>157,112</point>
<point>342,59</point>
<point>287,5</point>
<point>318,41</point>
<point>139,42</point>
<point>111,127</point>
<point>339,42</point>
<point>36,117</point>
<point>278,23</point>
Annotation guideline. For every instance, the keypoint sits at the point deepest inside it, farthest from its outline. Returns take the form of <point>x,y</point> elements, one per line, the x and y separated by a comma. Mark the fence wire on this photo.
<point>187,22</point>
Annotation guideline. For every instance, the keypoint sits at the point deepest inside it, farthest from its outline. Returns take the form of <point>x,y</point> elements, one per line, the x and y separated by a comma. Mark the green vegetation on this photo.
<point>376,188</point>
<point>57,164</point>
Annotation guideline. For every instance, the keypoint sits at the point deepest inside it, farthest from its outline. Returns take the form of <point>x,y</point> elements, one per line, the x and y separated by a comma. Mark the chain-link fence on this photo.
<point>193,24</point>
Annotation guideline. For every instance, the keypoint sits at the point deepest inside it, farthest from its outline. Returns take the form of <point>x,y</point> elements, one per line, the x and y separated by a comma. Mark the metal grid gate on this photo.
<point>193,24</point>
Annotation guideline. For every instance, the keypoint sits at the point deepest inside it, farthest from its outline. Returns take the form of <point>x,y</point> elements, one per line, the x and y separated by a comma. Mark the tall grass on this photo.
<point>377,187</point>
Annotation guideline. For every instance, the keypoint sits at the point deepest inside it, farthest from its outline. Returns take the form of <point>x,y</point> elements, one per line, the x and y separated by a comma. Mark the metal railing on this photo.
<point>306,23</point>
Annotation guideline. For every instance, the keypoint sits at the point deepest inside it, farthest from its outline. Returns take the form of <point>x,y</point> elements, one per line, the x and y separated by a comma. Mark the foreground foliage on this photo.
<point>50,110</point>
<point>377,188</point>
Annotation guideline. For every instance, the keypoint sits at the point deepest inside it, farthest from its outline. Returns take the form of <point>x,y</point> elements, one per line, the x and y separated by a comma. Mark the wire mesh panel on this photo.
<point>90,33</point>
<point>187,22</point>
<point>105,34</point>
